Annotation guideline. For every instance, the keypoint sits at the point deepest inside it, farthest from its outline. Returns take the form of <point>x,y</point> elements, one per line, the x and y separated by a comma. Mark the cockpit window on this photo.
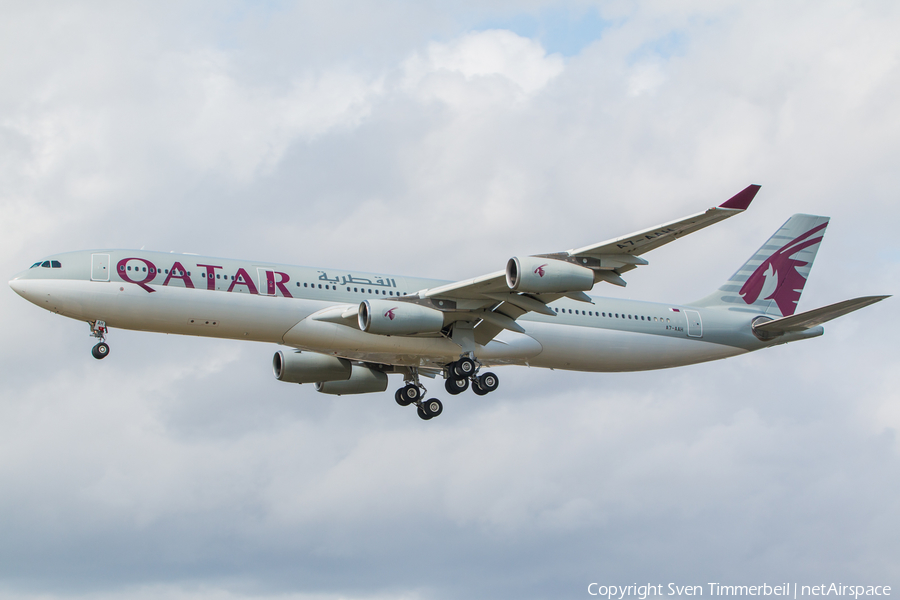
<point>47,264</point>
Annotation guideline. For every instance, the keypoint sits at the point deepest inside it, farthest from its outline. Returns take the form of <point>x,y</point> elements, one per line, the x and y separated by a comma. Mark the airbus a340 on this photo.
<point>348,330</point>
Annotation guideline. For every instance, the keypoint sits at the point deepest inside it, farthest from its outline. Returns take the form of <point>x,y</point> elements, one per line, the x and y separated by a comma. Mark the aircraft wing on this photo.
<point>491,299</point>
<point>640,242</point>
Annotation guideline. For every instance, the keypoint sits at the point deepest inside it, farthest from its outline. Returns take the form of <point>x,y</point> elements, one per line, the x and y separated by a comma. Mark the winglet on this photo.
<point>742,199</point>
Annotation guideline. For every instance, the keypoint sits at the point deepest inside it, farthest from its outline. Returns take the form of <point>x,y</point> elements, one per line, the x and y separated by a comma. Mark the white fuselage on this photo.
<point>266,302</point>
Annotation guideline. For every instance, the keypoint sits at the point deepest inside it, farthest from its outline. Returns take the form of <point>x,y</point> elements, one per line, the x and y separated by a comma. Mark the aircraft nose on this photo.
<point>19,286</point>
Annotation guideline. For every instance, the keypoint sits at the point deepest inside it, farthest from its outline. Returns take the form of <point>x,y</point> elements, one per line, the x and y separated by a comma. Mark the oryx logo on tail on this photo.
<point>778,278</point>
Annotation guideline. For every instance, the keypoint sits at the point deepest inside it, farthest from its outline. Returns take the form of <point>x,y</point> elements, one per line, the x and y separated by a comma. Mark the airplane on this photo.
<point>347,330</point>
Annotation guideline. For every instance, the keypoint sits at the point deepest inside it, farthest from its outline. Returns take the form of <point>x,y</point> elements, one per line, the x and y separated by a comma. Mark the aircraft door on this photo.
<point>99,267</point>
<point>695,326</point>
<point>266,279</point>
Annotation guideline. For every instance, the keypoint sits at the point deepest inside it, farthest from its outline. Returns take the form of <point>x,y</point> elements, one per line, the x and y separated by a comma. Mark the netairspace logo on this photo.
<point>642,592</point>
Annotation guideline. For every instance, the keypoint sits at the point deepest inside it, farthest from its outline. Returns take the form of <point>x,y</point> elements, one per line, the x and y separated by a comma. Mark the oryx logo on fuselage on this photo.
<point>777,278</point>
<point>390,313</point>
<point>540,270</point>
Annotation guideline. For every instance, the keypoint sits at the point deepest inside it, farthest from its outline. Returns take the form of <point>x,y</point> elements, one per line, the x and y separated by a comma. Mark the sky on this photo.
<point>439,139</point>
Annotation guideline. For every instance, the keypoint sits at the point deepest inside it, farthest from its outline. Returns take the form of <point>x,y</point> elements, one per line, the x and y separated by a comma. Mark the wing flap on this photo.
<point>476,288</point>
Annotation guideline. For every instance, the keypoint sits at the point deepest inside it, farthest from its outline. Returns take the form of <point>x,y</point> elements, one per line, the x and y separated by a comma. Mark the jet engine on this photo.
<point>363,380</point>
<point>398,318</point>
<point>309,367</point>
<point>533,274</point>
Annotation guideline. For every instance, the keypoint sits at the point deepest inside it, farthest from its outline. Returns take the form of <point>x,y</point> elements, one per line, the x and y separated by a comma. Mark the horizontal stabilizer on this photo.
<point>813,318</point>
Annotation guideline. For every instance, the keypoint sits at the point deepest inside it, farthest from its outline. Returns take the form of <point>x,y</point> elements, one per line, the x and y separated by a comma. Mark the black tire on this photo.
<point>488,382</point>
<point>100,351</point>
<point>433,407</point>
<point>407,395</point>
<point>477,388</point>
<point>422,414</point>
<point>456,386</point>
<point>464,367</point>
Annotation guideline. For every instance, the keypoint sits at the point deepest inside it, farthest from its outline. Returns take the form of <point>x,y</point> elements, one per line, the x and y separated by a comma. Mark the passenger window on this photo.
<point>355,290</point>
<point>304,285</point>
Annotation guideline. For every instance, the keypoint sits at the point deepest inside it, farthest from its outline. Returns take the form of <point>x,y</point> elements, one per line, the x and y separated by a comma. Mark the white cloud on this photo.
<point>494,68</point>
<point>179,468</point>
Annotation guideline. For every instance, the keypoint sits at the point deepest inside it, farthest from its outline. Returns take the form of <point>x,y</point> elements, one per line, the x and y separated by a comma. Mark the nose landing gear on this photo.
<point>99,331</point>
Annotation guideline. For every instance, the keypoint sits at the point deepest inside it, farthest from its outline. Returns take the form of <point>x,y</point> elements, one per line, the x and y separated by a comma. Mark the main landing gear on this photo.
<point>413,392</point>
<point>99,331</point>
<point>458,376</point>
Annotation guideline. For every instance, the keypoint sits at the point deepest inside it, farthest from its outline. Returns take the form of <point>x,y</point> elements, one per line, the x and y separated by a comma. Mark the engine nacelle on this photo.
<point>398,318</point>
<point>309,367</point>
<point>363,380</point>
<point>535,274</point>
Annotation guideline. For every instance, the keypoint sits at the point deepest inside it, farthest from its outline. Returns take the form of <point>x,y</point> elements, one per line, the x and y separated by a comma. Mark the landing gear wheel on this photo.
<point>456,386</point>
<point>488,382</point>
<point>432,407</point>
<point>100,350</point>
<point>464,367</point>
<point>476,387</point>
<point>407,395</point>
<point>422,414</point>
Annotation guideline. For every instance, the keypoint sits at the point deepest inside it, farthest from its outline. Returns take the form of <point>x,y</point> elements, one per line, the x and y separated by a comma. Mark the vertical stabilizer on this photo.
<point>773,279</point>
